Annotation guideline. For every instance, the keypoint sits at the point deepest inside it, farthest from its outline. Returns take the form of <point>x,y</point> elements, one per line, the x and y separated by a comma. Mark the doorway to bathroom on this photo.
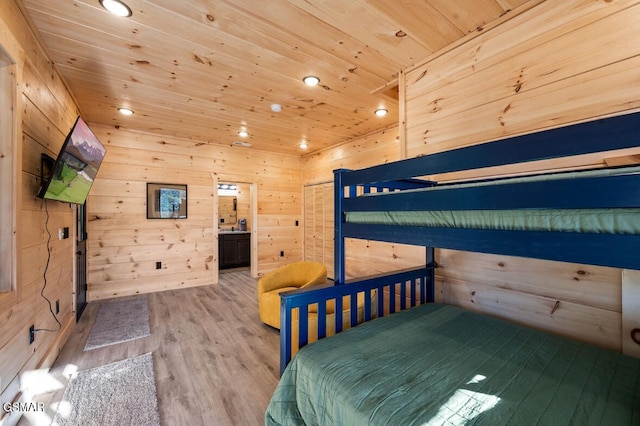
<point>237,245</point>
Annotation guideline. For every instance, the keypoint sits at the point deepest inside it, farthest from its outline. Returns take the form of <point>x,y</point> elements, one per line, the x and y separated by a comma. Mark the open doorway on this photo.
<point>237,223</point>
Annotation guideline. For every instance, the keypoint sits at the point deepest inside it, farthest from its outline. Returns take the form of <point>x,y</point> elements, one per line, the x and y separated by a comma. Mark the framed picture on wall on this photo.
<point>166,201</point>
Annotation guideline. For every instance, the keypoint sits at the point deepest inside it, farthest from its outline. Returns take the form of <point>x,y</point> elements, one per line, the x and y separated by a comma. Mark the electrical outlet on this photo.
<point>296,223</point>
<point>60,233</point>
<point>57,306</point>
<point>32,334</point>
<point>65,232</point>
<point>158,265</point>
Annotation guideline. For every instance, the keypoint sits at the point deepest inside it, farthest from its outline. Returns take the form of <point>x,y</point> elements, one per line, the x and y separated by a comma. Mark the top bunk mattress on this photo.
<point>609,221</point>
<point>439,364</point>
<point>600,221</point>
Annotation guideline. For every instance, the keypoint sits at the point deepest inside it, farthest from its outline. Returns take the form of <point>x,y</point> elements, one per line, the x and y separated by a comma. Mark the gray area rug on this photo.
<point>118,394</point>
<point>118,322</point>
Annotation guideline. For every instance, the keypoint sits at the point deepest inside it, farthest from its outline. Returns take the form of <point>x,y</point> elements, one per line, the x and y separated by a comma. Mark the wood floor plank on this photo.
<point>215,361</point>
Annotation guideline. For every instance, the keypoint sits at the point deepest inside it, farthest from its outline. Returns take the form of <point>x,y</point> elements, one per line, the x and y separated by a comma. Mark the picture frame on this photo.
<point>166,201</point>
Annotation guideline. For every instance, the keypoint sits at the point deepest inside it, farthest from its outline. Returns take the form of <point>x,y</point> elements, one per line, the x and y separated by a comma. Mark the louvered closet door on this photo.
<point>318,220</point>
<point>309,223</point>
<point>327,243</point>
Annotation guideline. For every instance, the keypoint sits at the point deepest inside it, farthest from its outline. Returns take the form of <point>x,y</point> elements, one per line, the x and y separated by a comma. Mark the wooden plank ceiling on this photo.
<point>204,69</point>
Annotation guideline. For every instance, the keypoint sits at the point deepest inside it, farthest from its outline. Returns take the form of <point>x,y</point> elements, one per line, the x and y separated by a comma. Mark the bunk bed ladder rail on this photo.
<point>381,297</point>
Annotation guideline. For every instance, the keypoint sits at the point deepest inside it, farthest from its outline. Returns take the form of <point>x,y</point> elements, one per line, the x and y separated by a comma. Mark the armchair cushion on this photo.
<point>286,278</point>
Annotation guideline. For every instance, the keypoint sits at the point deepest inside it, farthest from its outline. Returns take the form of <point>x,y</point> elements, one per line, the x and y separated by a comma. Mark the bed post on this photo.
<point>338,243</point>
<point>285,332</point>
<point>427,292</point>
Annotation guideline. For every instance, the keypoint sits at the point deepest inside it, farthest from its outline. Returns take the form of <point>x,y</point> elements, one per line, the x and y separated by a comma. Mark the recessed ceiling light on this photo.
<point>125,111</point>
<point>303,144</point>
<point>276,107</point>
<point>381,112</point>
<point>116,7</point>
<point>243,133</point>
<point>311,80</point>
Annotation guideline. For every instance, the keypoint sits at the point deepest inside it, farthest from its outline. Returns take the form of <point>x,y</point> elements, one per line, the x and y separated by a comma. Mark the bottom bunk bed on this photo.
<point>440,364</point>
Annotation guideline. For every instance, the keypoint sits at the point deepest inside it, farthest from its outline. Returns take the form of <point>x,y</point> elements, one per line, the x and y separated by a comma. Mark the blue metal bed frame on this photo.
<point>615,250</point>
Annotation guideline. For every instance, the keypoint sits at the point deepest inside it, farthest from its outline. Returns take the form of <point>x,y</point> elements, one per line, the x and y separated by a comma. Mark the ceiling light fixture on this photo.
<point>125,111</point>
<point>242,143</point>
<point>381,112</point>
<point>116,7</point>
<point>276,107</point>
<point>311,80</point>
<point>227,186</point>
<point>243,133</point>
<point>303,144</point>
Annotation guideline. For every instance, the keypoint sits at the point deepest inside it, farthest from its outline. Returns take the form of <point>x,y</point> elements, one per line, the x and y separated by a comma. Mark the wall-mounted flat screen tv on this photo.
<point>72,175</point>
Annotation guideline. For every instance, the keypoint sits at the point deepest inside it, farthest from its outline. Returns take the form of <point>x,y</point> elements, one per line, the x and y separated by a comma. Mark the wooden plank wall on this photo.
<point>560,62</point>
<point>45,113</point>
<point>363,257</point>
<point>124,246</point>
<point>244,204</point>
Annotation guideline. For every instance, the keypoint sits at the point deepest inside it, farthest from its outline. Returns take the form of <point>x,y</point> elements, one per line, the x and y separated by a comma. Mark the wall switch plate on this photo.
<point>60,233</point>
<point>158,265</point>
<point>32,334</point>
<point>57,306</point>
<point>65,232</point>
<point>282,253</point>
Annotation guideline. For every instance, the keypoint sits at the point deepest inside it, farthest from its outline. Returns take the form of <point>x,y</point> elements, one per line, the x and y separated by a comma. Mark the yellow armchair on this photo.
<point>286,278</point>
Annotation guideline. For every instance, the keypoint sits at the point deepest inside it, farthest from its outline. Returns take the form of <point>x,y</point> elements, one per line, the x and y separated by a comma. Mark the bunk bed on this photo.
<point>442,364</point>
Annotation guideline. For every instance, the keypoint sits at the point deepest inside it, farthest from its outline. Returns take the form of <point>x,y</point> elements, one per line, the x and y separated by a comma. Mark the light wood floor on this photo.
<point>215,362</point>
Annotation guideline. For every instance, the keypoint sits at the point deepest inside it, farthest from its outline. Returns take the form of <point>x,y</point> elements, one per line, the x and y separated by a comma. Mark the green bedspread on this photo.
<point>442,365</point>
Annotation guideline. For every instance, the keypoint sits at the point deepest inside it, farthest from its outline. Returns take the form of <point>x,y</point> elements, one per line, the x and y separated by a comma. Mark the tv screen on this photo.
<point>76,166</point>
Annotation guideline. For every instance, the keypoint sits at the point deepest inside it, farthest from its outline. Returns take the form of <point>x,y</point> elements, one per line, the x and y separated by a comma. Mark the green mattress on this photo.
<point>442,365</point>
<point>609,221</point>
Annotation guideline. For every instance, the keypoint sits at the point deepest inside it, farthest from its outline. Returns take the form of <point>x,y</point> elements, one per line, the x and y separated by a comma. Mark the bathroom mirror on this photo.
<point>227,210</point>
